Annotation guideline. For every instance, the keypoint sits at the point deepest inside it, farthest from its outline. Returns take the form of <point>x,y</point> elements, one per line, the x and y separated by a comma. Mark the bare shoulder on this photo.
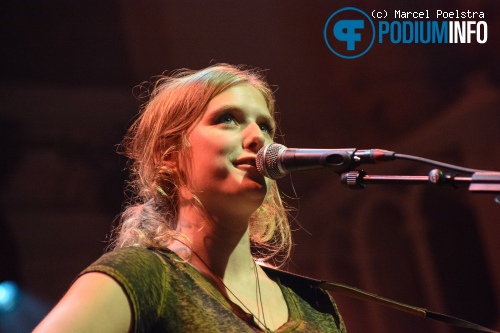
<point>94,303</point>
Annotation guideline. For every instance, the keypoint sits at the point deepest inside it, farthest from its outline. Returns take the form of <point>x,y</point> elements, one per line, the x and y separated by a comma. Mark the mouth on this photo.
<point>248,161</point>
<point>249,167</point>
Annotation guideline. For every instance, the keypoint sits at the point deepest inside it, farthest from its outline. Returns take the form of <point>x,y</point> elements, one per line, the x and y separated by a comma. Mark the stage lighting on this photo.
<point>9,296</point>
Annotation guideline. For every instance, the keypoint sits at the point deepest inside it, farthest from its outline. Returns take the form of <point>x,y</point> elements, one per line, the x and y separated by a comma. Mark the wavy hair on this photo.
<point>156,141</point>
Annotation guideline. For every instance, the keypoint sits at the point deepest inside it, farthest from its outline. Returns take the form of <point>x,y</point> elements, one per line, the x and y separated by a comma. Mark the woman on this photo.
<point>184,252</point>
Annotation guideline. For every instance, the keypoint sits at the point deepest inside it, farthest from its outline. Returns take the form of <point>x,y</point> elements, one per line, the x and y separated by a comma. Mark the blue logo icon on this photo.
<point>345,31</point>
<point>349,33</point>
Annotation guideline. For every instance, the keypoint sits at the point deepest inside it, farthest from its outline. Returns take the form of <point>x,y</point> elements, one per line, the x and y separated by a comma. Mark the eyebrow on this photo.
<point>229,107</point>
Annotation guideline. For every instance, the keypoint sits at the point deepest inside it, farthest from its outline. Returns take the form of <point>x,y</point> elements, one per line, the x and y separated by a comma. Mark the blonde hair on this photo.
<point>156,141</point>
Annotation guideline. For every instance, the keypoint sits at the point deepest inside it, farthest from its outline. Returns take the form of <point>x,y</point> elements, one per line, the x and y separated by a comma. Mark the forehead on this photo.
<point>242,96</point>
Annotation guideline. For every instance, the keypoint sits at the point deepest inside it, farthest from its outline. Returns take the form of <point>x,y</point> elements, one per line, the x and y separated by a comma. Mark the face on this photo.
<point>223,146</point>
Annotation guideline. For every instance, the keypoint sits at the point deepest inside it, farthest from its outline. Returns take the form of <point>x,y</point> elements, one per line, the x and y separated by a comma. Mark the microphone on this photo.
<point>276,161</point>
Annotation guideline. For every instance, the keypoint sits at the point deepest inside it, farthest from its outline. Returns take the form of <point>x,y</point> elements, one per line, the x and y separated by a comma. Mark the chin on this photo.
<point>253,184</point>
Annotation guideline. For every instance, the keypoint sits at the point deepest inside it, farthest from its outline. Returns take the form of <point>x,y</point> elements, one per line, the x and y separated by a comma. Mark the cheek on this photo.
<point>201,149</point>
<point>207,163</point>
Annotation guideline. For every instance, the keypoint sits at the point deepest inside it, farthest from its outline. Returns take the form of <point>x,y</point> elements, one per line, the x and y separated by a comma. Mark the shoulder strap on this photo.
<point>302,284</point>
<point>307,289</point>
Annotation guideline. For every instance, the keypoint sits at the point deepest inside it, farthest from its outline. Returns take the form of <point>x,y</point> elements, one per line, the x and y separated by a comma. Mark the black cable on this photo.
<point>437,163</point>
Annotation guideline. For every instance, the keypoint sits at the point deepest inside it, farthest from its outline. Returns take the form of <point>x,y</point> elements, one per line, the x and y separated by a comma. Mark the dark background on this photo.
<point>67,76</point>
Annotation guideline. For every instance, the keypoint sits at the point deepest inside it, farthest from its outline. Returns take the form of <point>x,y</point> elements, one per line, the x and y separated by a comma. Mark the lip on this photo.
<point>248,165</point>
<point>248,161</point>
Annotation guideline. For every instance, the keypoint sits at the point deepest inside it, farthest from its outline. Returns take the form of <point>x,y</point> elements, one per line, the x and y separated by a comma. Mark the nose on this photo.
<point>253,138</point>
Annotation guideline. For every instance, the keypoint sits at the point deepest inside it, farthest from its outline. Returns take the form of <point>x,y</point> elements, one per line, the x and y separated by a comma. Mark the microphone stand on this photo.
<point>480,181</point>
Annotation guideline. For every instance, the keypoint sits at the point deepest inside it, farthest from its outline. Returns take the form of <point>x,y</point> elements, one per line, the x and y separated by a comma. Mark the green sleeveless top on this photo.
<point>168,295</point>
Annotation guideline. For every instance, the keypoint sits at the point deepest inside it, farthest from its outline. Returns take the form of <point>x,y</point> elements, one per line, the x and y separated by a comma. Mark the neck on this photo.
<point>220,242</point>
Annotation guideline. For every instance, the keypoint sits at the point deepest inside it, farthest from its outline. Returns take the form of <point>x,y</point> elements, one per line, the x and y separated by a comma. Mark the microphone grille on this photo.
<point>267,161</point>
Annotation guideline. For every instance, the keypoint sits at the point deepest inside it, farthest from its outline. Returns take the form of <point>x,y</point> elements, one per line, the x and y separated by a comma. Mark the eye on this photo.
<point>227,119</point>
<point>267,128</point>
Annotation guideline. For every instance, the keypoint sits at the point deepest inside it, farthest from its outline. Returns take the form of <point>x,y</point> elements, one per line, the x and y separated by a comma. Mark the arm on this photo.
<point>94,303</point>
